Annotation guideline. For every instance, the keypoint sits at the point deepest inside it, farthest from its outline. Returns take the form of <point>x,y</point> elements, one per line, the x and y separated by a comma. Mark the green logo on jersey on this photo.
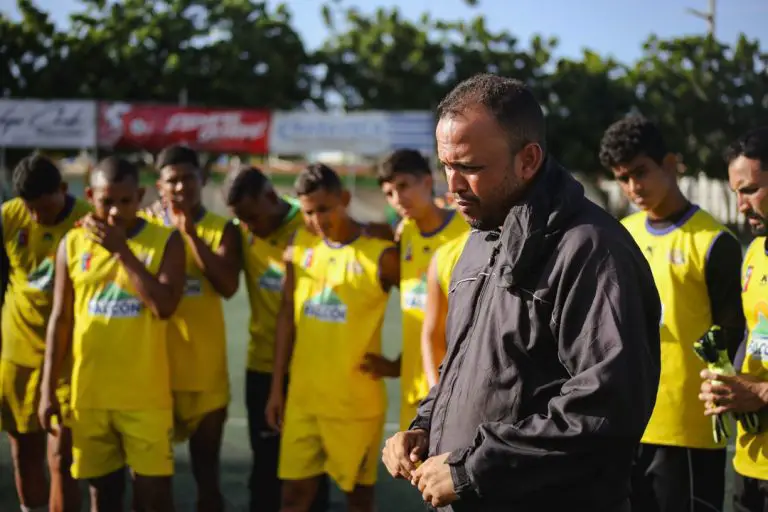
<point>416,297</point>
<point>326,307</point>
<point>42,277</point>
<point>114,302</point>
<point>272,278</point>
<point>758,345</point>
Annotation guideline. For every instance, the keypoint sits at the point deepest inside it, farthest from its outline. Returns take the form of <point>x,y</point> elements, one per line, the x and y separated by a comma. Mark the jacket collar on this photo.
<point>534,226</point>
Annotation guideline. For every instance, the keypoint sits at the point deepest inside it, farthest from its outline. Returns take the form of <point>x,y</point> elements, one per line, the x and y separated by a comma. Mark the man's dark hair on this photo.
<point>629,138</point>
<point>248,181</point>
<point>116,170</point>
<point>177,155</point>
<point>36,176</point>
<point>752,145</point>
<point>316,177</point>
<point>403,161</point>
<point>510,101</point>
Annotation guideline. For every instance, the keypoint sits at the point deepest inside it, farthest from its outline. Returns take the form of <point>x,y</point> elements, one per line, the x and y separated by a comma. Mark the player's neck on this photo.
<point>278,218</point>
<point>349,230</point>
<point>432,219</point>
<point>674,203</point>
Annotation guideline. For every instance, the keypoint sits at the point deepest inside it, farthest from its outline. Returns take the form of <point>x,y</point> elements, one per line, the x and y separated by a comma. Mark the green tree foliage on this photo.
<point>247,53</point>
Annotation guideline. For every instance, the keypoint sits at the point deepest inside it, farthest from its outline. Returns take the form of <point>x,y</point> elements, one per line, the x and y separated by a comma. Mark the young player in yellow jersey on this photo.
<point>118,279</point>
<point>747,160</point>
<point>406,180</point>
<point>196,334</point>
<point>32,226</point>
<point>335,295</point>
<point>695,263</point>
<point>433,344</point>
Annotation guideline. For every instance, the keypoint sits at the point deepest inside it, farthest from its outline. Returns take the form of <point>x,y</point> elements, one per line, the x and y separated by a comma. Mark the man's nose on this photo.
<point>456,181</point>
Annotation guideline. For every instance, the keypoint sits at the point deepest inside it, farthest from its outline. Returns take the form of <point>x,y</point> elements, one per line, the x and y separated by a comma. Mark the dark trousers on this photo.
<point>676,479</point>
<point>265,444</point>
<point>749,494</point>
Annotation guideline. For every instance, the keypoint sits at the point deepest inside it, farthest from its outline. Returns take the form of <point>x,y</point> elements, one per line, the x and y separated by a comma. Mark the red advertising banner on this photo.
<point>153,127</point>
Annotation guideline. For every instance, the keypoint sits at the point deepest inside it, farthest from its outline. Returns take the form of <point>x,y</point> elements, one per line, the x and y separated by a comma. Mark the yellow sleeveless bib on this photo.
<point>31,250</point>
<point>119,347</point>
<point>677,257</point>
<point>751,458</point>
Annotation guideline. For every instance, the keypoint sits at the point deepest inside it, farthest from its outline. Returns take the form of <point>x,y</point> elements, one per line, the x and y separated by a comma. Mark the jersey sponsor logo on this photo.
<point>42,277</point>
<point>408,252</point>
<point>193,287</point>
<point>416,297</point>
<point>326,307</point>
<point>676,257</point>
<point>747,277</point>
<point>114,302</point>
<point>306,261</point>
<point>758,344</point>
<point>272,278</point>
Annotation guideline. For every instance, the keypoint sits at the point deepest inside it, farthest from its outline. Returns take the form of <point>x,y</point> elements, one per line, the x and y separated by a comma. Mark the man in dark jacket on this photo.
<point>553,340</point>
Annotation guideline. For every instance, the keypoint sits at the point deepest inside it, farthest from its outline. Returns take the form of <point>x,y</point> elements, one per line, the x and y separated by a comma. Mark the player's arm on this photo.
<point>5,271</point>
<point>399,233</point>
<point>222,266</point>
<point>433,328</point>
<point>723,278</point>
<point>58,334</point>
<point>162,292</point>
<point>380,230</point>
<point>284,339</point>
<point>389,269</point>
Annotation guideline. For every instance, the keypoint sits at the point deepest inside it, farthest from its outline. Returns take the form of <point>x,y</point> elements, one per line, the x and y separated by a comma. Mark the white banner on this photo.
<point>61,124</point>
<point>295,133</point>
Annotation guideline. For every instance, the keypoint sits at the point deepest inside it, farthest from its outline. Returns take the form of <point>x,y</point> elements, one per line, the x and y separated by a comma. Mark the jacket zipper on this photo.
<point>484,285</point>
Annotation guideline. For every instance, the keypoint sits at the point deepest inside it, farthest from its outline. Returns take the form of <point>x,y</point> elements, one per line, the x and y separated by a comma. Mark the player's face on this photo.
<point>485,173</point>
<point>256,213</point>
<point>180,186</point>
<point>409,195</point>
<point>45,209</point>
<point>646,183</point>
<point>750,183</point>
<point>115,203</point>
<point>325,212</point>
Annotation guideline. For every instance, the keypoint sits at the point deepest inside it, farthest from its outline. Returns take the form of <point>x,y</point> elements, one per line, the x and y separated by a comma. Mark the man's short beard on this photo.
<point>760,230</point>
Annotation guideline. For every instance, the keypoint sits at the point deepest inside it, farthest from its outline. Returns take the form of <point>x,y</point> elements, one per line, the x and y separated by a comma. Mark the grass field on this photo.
<point>236,456</point>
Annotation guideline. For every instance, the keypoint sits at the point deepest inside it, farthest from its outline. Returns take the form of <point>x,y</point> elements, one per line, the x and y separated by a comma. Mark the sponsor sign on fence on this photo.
<point>153,127</point>
<point>47,123</point>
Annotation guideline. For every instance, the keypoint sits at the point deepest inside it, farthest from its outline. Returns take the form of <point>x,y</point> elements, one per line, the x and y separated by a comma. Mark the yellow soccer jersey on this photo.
<point>119,347</point>
<point>264,270</point>
<point>751,458</point>
<point>197,344</point>
<point>31,250</point>
<point>677,257</point>
<point>446,258</point>
<point>339,307</point>
<point>416,250</point>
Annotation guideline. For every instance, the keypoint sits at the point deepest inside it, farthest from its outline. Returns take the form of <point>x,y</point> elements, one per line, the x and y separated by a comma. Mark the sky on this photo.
<point>610,27</point>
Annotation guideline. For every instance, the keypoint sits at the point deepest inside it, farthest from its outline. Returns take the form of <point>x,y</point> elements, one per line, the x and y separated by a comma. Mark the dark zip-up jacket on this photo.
<point>553,358</point>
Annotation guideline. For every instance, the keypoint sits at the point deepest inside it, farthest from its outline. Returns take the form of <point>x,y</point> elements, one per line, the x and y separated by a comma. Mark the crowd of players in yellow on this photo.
<point>114,343</point>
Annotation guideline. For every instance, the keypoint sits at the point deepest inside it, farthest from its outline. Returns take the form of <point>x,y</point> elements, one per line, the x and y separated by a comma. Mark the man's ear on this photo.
<point>531,158</point>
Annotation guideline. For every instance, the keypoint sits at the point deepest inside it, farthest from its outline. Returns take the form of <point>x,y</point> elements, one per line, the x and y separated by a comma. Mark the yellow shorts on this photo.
<point>346,450</point>
<point>407,414</point>
<point>104,441</point>
<point>190,407</point>
<point>20,397</point>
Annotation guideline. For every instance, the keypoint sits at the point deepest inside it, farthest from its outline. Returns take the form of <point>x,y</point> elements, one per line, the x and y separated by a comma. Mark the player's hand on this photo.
<point>49,408</point>
<point>732,393</point>
<point>403,451</point>
<point>379,366</point>
<point>274,410</point>
<point>112,238</point>
<point>181,219</point>
<point>434,480</point>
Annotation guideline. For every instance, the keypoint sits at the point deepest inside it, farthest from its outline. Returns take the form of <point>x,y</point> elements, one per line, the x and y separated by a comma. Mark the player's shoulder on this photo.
<point>634,220</point>
<point>12,207</point>
<point>454,244</point>
<point>755,247</point>
<point>217,221</point>
<point>705,221</point>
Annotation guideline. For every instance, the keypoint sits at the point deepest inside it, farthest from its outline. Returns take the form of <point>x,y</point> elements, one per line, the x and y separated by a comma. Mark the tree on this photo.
<point>703,93</point>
